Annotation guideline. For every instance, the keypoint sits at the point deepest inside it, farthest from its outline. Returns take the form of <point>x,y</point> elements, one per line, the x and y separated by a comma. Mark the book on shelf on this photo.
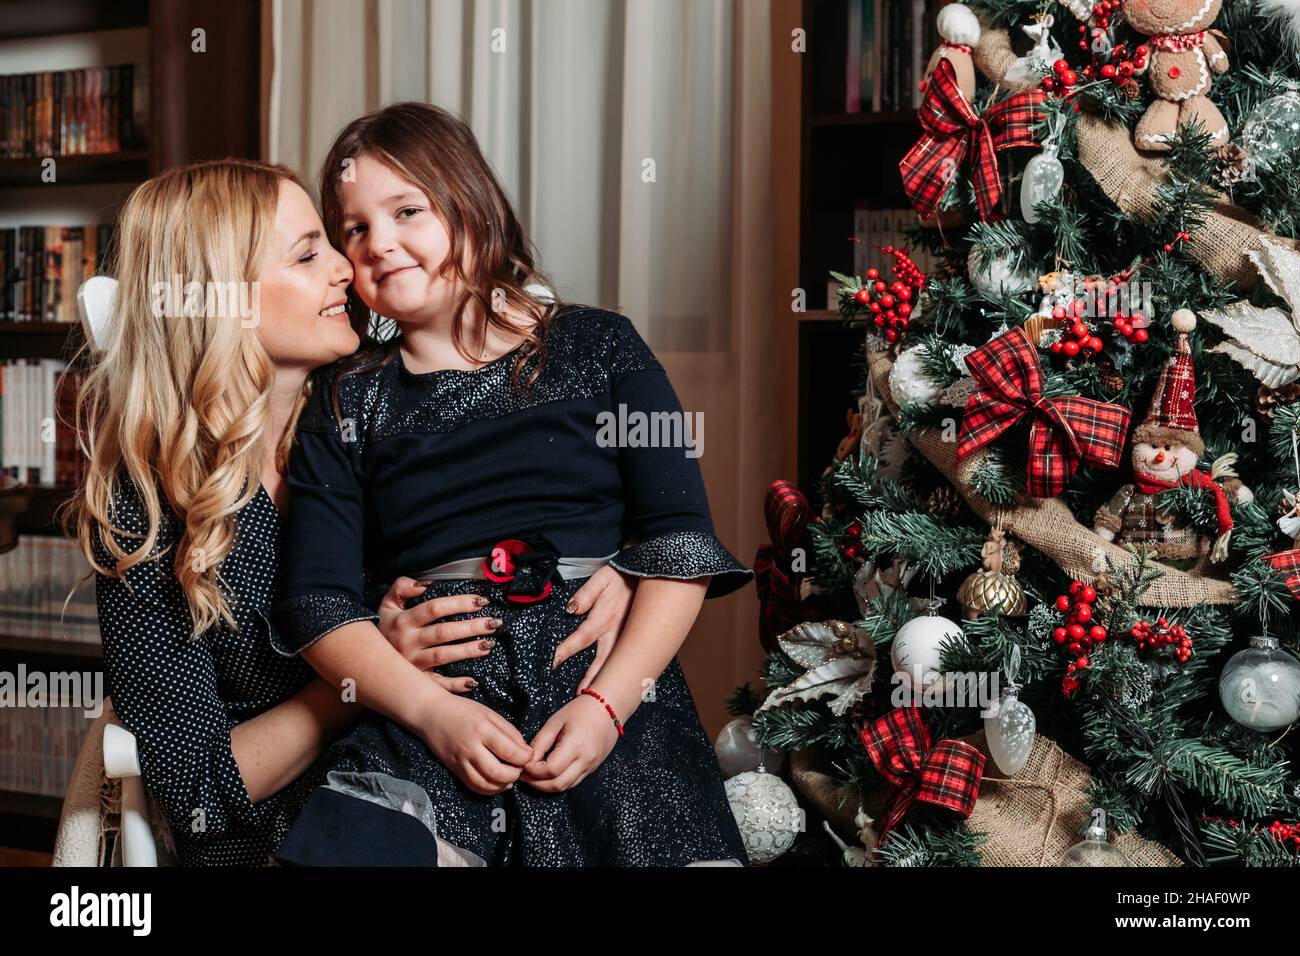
<point>874,229</point>
<point>39,746</point>
<point>37,407</point>
<point>98,109</point>
<point>889,45</point>
<point>43,266</point>
<point>45,593</point>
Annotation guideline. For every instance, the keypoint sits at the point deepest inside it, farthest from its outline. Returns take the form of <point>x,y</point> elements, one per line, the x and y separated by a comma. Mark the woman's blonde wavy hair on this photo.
<point>181,403</point>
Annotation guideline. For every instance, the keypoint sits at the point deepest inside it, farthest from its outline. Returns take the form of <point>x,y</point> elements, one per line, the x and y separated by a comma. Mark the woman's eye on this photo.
<point>309,257</point>
<point>353,231</point>
<point>408,211</point>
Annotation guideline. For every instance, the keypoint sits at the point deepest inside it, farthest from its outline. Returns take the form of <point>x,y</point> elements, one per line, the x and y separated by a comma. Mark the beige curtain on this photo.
<point>634,137</point>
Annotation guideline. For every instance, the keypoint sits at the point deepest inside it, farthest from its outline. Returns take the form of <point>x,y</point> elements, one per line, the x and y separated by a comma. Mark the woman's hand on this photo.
<point>607,595</point>
<point>475,743</point>
<point>582,735</point>
<point>425,640</point>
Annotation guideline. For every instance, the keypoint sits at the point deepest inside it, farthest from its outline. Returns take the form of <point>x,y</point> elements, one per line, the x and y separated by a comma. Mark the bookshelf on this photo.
<point>201,104</point>
<point>845,159</point>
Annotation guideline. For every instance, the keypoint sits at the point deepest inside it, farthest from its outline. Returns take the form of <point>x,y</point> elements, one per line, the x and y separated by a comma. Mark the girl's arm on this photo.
<point>677,555</point>
<point>324,617</point>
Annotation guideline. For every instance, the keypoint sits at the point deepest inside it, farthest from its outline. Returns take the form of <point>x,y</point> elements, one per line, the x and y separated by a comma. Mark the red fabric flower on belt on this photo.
<point>946,775</point>
<point>528,566</point>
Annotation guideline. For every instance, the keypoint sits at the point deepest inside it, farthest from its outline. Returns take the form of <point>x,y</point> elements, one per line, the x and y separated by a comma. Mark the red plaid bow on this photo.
<point>946,775</point>
<point>1065,431</point>
<point>1287,563</point>
<point>781,605</point>
<point>950,126</point>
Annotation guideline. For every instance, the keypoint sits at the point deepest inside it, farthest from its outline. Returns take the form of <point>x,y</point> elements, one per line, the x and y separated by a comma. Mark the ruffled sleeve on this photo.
<point>666,508</point>
<point>324,581</point>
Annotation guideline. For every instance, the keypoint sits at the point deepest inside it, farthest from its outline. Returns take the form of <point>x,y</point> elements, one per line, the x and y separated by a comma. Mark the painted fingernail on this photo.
<point>573,607</point>
<point>493,623</point>
<point>480,601</point>
<point>473,684</point>
<point>486,645</point>
<point>424,584</point>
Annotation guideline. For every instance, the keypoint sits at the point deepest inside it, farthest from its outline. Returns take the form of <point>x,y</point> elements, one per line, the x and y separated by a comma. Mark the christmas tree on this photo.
<point>1051,595</point>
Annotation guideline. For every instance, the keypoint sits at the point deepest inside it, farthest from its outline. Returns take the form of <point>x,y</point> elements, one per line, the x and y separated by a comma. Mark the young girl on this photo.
<point>187,421</point>
<point>469,450</point>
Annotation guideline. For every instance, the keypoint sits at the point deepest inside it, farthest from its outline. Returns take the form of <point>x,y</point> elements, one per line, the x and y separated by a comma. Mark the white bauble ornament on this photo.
<point>1272,130</point>
<point>767,814</point>
<point>1260,686</point>
<point>1002,275</point>
<point>1010,728</point>
<point>1042,181</point>
<point>738,750</point>
<point>1094,849</point>
<point>908,382</point>
<point>915,650</point>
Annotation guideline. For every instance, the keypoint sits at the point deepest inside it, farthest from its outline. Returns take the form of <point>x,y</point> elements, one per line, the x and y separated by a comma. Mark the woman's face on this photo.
<point>303,289</point>
<point>396,244</point>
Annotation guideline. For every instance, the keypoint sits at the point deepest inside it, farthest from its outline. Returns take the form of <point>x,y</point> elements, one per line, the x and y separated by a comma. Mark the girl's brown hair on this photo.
<point>438,153</point>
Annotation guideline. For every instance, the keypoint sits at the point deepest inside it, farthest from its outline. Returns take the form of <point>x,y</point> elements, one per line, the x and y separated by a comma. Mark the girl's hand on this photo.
<point>582,734</point>
<point>427,642</point>
<point>608,596</point>
<point>475,743</point>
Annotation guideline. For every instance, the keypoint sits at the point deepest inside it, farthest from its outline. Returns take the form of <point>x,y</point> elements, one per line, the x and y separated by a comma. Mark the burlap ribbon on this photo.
<point>1030,819</point>
<point>1047,523</point>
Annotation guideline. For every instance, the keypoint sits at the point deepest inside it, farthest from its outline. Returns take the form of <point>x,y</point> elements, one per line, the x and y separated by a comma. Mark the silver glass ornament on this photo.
<point>1042,181</point>
<point>1094,849</point>
<point>1260,686</point>
<point>1010,728</point>
<point>1272,130</point>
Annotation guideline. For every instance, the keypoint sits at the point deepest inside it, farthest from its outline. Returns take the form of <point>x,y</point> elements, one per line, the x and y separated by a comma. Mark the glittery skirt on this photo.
<point>656,800</point>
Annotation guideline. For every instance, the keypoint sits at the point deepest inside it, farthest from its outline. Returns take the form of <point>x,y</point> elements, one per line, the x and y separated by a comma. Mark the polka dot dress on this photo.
<point>182,697</point>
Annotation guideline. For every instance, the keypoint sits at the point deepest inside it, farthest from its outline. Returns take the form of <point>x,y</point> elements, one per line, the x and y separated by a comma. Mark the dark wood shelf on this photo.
<point>57,340</point>
<point>51,647</point>
<point>39,18</point>
<point>31,804</point>
<point>127,167</point>
<point>903,118</point>
<point>38,517</point>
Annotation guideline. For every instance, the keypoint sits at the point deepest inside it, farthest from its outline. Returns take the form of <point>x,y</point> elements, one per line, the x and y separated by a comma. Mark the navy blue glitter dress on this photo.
<point>411,471</point>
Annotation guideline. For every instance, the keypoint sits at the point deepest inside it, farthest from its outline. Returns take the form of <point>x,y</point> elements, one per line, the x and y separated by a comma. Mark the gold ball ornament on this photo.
<point>994,589</point>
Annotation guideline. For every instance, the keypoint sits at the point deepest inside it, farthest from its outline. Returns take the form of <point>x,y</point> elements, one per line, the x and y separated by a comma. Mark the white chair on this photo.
<point>105,796</point>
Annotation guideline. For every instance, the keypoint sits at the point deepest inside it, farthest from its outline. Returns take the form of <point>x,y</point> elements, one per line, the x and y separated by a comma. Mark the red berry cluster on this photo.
<point>1062,79</point>
<point>1131,325</point>
<point>1101,15</point>
<point>1079,635</point>
<point>1158,635</point>
<point>890,303</point>
<point>1079,338</point>
<point>853,550</point>
<point>1285,833</point>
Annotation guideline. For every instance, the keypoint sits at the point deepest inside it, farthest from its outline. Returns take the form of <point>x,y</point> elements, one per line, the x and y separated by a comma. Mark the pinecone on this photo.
<point>1111,379</point>
<point>1268,399</point>
<point>1234,165</point>
<point>943,501</point>
<point>1129,89</point>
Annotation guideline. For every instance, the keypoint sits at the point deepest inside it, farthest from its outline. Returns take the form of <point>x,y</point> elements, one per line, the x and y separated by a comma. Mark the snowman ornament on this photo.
<point>1166,449</point>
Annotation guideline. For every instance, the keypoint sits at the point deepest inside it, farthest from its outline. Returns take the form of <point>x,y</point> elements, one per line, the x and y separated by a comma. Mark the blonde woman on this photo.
<point>229,297</point>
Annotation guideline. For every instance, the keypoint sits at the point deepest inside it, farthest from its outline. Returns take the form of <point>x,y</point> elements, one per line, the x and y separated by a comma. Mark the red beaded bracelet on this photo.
<point>613,716</point>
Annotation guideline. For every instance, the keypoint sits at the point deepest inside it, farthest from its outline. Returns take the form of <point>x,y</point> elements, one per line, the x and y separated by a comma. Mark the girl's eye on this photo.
<point>353,231</point>
<point>412,210</point>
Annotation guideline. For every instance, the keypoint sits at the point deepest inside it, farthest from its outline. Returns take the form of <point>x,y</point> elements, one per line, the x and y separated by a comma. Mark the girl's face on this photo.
<point>303,289</point>
<point>396,244</point>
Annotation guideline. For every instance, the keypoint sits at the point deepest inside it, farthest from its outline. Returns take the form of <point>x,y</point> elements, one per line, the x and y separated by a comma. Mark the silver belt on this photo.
<point>473,568</point>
